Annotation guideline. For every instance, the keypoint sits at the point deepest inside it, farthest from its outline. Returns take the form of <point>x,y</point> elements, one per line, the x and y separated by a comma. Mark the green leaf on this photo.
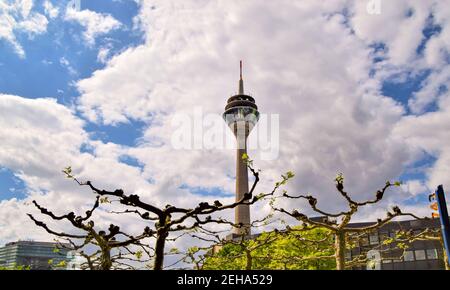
<point>193,250</point>
<point>138,255</point>
<point>68,172</point>
<point>104,200</point>
<point>388,241</point>
<point>339,178</point>
<point>402,246</point>
<point>174,251</point>
<point>285,252</point>
<point>62,264</point>
<point>290,174</point>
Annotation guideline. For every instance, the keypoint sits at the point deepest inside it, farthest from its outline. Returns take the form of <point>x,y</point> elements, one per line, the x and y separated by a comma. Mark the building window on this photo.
<point>408,256</point>
<point>348,256</point>
<point>420,255</point>
<point>417,232</point>
<point>373,239</point>
<point>432,254</point>
<point>364,241</point>
<point>383,236</point>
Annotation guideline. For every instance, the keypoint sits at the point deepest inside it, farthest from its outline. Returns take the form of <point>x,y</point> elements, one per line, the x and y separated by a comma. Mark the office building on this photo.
<point>420,254</point>
<point>35,255</point>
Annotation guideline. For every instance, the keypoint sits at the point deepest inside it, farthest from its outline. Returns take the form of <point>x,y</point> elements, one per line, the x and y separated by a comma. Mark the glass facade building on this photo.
<point>35,255</point>
<point>419,255</point>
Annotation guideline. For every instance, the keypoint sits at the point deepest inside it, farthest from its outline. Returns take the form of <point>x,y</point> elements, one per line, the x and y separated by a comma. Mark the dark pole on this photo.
<point>443,215</point>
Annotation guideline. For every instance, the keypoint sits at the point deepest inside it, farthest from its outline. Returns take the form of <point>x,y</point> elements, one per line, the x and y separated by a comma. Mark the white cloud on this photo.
<point>7,24</point>
<point>17,17</point>
<point>37,127</point>
<point>50,9</point>
<point>415,187</point>
<point>40,137</point>
<point>23,6</point>
<point>34,24</point>
<point>103,54</point>
<point>333,117</point>
<point>303,60</point>
<point>433,90</point>
<point>408,18</point>
<point>430,132</point>
<point>95,24</point>
<point>66,64</point>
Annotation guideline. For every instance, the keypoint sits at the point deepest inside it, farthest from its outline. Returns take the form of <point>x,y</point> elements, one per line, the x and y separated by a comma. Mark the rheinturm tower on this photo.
<point>241,115</point>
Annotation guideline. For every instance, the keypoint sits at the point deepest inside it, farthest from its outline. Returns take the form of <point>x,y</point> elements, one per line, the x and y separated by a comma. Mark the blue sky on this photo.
<point>402,89</point>
<point>30,77</point>
<point>11,185</point>
<point>41,74</point>
<point>175,65</point>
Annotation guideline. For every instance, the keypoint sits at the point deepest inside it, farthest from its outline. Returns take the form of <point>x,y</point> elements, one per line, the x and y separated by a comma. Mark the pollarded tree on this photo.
<point>293,249</point>
<point>110,244</point>
<point>172,219</point>
<point>338,222</point>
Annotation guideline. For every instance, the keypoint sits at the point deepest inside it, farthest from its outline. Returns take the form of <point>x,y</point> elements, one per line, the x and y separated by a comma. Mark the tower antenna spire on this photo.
<point>241,81</point>
<point>241,68</point>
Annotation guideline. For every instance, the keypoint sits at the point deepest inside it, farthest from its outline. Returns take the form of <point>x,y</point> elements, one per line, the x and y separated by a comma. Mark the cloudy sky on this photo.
<point>360,87</point>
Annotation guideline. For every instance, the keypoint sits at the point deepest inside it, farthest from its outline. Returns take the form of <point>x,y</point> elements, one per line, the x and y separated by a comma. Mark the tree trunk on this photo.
<point>340,250</point>
<point>90,264</point>
<point>249,260</point>
<point>159,249</point>
<point>106,263</point>
<point>446,260</point>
